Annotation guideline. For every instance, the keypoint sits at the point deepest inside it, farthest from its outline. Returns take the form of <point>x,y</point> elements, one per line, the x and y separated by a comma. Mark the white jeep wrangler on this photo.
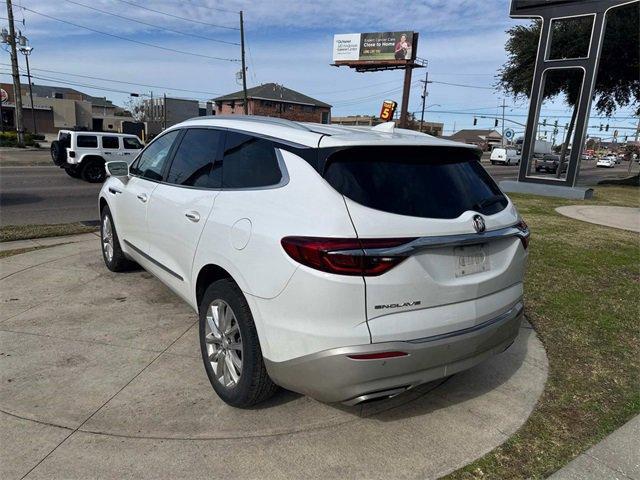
<point>83,154</point>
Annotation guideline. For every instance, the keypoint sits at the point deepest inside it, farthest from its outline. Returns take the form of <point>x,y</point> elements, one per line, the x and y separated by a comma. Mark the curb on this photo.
<point>47,241</point>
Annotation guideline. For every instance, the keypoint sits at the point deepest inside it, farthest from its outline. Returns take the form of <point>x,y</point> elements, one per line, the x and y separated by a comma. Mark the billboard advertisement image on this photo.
<point>381,46</point>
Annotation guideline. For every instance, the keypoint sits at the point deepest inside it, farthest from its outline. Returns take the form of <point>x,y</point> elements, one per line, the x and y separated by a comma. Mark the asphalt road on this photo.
<point>42,195</point>
<point>45,194</point>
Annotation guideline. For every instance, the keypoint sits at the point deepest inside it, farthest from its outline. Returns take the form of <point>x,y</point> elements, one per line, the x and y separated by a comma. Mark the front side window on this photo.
<point>194,163</point>
<point>249,162</point>
<point>87,141</point>
<point>429,182</point>
<point>152,161</point>
<point>131,143</point>
<point>110,142</point>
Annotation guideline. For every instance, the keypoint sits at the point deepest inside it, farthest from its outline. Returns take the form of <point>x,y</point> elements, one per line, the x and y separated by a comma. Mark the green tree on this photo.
<point>617,82</point>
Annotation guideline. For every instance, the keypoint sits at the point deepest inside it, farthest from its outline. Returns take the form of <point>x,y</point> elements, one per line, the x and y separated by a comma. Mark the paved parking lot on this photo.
<point>101,377</point>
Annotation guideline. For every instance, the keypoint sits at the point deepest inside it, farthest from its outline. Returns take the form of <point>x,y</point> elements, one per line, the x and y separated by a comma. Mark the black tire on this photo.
<point>93,171</point>
<point>253,385</point>
<point>72,172</point>
<point>118,261</point>
<point>58,153</point>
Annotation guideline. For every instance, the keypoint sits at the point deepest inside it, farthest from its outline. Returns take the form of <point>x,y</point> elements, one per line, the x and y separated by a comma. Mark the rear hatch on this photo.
<point>425,196</point>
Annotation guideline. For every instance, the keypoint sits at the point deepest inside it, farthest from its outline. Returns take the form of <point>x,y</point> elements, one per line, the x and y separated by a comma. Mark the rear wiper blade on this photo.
<point>487,202</point>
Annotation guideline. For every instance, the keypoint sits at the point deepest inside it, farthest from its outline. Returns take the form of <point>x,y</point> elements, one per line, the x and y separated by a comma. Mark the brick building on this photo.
<point>273,100</point>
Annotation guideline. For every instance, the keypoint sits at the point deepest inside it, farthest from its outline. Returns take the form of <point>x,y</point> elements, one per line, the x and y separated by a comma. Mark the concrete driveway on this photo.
<point>101,376</point>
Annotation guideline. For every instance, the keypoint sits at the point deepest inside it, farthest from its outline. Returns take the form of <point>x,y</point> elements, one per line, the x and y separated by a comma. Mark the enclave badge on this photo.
<point>478,223</point>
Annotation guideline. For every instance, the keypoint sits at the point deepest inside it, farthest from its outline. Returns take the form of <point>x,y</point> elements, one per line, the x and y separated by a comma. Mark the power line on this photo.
<point>151,24</point>
<point>76,84</point>
<point>177,16</point>
<point>217,9</point>
<point>130,39</point>
<point>119,81</point>
<point>462,85</point>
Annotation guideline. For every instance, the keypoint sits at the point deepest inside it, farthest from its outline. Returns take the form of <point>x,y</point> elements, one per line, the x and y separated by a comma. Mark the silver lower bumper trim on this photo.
<point>331,376</point>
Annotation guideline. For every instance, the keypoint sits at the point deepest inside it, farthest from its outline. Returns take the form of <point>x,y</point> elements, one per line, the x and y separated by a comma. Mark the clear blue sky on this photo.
<point>289,42</point>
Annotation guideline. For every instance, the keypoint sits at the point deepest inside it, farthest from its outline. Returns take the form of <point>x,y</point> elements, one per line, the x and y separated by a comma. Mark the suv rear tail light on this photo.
<point>522,226</point>
<point>345,256</point>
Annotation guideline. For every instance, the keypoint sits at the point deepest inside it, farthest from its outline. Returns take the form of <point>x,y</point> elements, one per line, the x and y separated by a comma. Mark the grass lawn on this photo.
<point>23,232</point>
<point>582,293</point>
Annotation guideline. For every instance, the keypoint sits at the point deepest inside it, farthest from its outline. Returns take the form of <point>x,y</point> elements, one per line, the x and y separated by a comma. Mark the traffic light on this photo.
<point>475,121</point>
<point>496,123</point>
<point>600,127</point>
<point>544,122</point>
<point>606,128</point>
<point>555,124</point>
<point>615,134</point>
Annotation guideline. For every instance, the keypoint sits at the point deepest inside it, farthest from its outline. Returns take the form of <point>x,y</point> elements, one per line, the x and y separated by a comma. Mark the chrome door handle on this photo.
<point>142,197</point>
<point>193,216</point>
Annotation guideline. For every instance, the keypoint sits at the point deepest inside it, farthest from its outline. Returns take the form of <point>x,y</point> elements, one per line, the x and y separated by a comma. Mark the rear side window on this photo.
<point>87,141</point>
<point>249,162</point>
<point>429,182</point>
<point>131,143</point>
<point>110,142</point>
<point>194,162</point>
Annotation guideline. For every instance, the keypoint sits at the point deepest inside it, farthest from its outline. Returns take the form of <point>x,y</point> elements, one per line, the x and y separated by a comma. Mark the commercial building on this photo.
<point>57,107</point>
<point>485,139</point>
<point>273,100</point>
<point>163,112</point>
<point>430,128</point>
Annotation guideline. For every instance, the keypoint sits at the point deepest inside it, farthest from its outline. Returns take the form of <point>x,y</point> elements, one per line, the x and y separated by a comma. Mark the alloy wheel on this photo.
<point>107,238</point>
<point>224,343</point>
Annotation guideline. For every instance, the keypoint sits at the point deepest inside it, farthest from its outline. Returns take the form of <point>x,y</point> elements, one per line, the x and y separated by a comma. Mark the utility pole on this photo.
<point>16,75</point>
<point>244,68</point>
<point>503,107</point>
<point>26,51</point>
<point>164,111</point>
<point>424,97</point>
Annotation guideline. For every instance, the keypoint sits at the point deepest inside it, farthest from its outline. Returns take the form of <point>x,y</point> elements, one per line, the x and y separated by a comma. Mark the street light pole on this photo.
<point>26,51</point>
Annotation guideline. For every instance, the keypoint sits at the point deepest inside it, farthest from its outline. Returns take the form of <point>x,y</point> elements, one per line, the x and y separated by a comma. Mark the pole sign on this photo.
<point>388,110</point>
<point>508,134</point>
<point>380,46</point>
<point>4,96</point>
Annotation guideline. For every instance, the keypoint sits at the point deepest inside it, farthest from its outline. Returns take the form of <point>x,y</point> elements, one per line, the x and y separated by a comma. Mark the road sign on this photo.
<point>509,134</point>
<point>3,95</point>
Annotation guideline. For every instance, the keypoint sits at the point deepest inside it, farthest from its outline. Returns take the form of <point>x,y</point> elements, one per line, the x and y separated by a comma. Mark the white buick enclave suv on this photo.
<point>347,264</point>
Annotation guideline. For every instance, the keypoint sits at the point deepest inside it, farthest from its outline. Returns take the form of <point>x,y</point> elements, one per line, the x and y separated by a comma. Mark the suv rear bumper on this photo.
<point>332,376</point>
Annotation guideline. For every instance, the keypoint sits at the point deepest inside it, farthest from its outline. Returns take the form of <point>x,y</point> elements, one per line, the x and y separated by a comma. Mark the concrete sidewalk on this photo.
<point>615,457</point>
<point>625,218</point>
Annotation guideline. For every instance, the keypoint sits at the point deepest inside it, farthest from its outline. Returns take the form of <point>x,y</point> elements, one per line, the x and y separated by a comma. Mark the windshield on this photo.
<point>430,182</point>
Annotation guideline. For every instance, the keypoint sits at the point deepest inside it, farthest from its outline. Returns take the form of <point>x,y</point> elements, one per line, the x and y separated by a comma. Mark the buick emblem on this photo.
<point>478,223</point>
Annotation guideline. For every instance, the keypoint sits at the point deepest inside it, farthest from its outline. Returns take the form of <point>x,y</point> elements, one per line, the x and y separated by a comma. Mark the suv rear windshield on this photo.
<point>430,182</point>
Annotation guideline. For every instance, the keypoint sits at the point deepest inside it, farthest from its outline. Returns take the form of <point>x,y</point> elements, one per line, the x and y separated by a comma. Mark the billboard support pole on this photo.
<point>406,90</point>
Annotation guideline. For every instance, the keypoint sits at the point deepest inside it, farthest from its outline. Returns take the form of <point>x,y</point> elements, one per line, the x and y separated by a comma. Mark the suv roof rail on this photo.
<point>257,119</point>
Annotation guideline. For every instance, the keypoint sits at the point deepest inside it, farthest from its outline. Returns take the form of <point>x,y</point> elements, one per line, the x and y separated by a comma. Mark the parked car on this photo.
<point>549,163</point>
<point>346,264</point>
<point>606,162</point>
<point>504,156</point>
<point>83,154</point>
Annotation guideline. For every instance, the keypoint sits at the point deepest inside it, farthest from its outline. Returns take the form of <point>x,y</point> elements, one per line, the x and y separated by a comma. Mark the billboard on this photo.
<point>388,109</point>
<point>381,46</point>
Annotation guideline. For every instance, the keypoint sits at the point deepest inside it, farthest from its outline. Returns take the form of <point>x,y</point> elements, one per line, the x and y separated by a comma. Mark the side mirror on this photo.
<point>117,169</point>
